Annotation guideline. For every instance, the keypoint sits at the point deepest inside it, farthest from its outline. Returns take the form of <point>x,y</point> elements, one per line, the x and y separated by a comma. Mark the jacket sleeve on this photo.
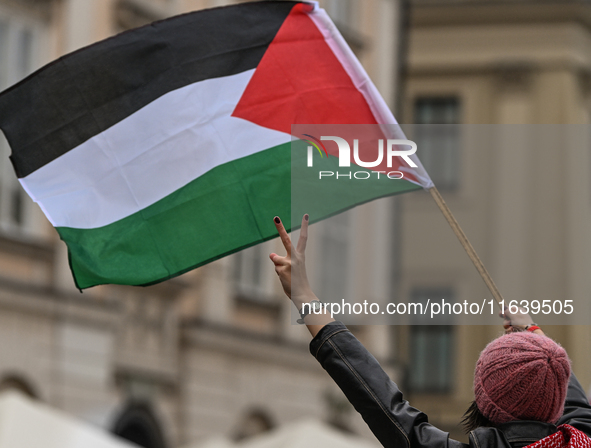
<point>577,411</point>
<point>377,398</point>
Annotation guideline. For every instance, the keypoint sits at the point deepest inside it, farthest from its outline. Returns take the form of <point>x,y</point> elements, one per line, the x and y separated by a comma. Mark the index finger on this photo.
<point>303,235</point>
<point>285,239</point>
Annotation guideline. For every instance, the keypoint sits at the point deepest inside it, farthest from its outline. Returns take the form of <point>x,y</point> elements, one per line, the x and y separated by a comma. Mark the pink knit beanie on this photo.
<point>521,376</point>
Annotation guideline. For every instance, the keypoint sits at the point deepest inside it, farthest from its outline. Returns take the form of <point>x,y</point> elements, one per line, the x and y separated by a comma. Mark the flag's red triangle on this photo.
<point>300,81</point>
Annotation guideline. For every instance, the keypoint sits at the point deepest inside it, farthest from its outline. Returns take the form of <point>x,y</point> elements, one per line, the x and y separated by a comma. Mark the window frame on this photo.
<point>417,294</point>
<point>325,260</point>
<point>30,224</point>
<point>440,128</point>
<point>259,290</point>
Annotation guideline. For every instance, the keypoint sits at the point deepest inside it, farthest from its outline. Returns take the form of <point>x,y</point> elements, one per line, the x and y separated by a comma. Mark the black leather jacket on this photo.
<point>397,424</point>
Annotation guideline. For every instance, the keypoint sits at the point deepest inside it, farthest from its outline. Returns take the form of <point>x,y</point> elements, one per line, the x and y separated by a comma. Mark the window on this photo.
<point>333,268</point>
<point>431,348</point>
<point>253,273</point>
<point>18,58</point>
<point>256,307</point>
<point>17,49</point>
<point>438,139</point>
<point>3,53</point>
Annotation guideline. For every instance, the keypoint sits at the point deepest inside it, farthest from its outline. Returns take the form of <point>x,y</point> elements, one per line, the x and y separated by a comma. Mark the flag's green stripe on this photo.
<point>332,194</point>
<point>227,209</point>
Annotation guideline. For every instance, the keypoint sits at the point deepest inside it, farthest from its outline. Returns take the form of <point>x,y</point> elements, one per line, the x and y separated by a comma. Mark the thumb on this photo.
<point>278,260</point>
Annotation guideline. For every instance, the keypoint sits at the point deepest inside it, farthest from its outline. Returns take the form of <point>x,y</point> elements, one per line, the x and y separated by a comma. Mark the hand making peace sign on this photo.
<point>292,265</point>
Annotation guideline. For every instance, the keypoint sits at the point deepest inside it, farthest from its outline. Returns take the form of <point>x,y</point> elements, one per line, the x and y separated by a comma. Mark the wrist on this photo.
<point>533,328</point>
<point>314,307</point>
<point>301,299</point>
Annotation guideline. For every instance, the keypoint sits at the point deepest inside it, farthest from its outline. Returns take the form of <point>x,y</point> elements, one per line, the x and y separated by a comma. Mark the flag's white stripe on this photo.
<point>148,155</point>
<point>362,81</point>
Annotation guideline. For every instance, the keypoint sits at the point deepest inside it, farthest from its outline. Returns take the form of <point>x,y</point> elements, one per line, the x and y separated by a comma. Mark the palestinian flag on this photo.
<point>168,146</point>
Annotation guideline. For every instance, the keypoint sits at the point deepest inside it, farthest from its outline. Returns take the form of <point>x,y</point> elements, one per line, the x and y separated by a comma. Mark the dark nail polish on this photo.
<point>277,220</point>
<point>306,217</point>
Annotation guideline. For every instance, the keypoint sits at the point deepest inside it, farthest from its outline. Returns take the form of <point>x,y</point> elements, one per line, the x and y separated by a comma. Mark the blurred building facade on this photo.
<point>527,213</point>
<point>211,352</point>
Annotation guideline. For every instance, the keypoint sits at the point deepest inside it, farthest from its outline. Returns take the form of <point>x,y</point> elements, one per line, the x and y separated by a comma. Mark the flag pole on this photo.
<point>466,244</point>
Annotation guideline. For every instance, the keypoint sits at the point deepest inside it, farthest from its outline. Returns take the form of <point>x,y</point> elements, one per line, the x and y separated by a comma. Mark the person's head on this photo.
<point>519,376</point>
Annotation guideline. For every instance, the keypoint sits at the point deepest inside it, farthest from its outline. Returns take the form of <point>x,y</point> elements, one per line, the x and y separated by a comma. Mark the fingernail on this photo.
<point>306,217</point>
<point>277,220</point>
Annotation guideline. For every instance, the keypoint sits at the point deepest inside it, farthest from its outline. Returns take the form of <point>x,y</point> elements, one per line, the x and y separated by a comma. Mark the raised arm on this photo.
<point>291,270</point>
<point>374,395</point>
<point>377,398</point>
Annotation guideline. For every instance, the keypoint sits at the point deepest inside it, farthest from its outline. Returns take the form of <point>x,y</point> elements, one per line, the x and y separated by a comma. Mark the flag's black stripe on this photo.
<point>84,93</point>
